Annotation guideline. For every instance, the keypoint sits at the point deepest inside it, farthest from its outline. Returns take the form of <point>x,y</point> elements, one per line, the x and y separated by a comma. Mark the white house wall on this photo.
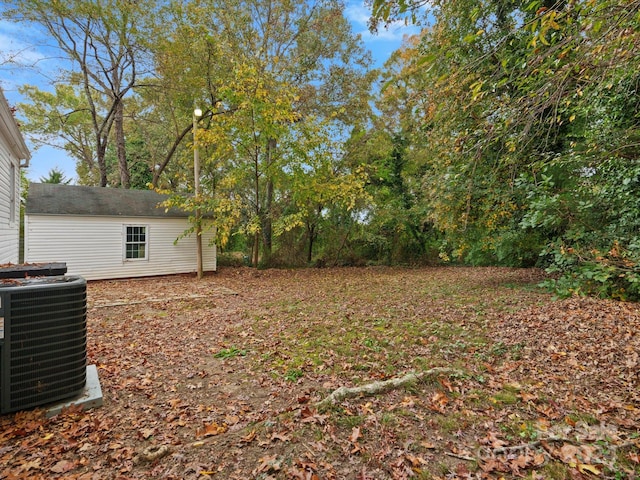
<point>93,246</point>
<point>9,230</point>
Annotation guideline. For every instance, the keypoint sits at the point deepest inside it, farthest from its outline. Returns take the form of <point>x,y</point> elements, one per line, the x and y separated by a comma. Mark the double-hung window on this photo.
<point>136,242</point>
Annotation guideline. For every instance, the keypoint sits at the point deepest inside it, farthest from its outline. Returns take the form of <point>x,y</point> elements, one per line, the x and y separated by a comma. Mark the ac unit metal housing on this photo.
<point>43,340</point>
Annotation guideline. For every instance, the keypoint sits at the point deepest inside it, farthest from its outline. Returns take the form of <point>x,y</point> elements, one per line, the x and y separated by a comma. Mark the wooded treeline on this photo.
<point>505,133</point>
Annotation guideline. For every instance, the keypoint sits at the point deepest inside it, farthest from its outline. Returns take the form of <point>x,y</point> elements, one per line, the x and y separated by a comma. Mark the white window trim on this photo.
<point>124,242</point>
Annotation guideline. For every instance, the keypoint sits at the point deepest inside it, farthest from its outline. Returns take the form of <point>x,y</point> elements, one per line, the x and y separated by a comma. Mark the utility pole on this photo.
<point>197,113</point>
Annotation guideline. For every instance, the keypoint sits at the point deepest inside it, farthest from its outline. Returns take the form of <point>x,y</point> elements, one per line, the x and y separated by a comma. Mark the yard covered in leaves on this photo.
<point>221,378</point>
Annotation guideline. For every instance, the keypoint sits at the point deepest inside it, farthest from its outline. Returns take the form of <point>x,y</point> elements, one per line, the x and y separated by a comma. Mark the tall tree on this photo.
<point>517,159</point>
<point>264,69</point>
<point>98,41</point>
<point>56,176</point>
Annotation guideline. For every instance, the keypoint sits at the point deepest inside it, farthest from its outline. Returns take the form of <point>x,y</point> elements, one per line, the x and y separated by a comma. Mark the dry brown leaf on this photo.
<point>212,429</point>
<point>63,466</point>
<point>355,435</point>
<point>282,436</point>
<point>582,468</point>
<point>249,437</point>
<point>415,460</point>
<point>490,465</point>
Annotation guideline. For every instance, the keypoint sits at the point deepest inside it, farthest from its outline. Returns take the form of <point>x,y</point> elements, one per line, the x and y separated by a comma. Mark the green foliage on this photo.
<point>293,374</point>
<point>99,44</point>
<point>56,176</point>
<point>281,84</point>
<point>524,122</point>
<point>230,353</point>
<point>503,134</point>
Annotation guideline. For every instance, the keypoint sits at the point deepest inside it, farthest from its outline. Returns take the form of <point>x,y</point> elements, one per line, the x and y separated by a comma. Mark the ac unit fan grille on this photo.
<point>47,345</point>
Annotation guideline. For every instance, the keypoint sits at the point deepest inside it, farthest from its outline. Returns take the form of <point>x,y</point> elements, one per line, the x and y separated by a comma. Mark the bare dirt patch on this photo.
<point>220,378</point>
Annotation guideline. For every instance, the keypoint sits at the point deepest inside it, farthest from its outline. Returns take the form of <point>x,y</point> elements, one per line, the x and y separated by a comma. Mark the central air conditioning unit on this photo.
<point>43,340</point>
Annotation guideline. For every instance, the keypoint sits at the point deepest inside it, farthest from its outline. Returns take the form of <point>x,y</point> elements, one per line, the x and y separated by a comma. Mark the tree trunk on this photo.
<point>125,178</point>
<point>160,168</point>
<point>267,230</point>
<point>268,207</point>
<point>311,233</point>
<point>102,164</point>
<point>256,250</point>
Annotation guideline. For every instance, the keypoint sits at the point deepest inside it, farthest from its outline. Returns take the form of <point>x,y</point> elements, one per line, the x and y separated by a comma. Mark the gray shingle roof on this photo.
<point>56,199</point>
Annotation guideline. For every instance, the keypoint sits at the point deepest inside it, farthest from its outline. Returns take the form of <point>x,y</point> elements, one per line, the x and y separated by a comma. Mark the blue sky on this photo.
<point>29,48</point>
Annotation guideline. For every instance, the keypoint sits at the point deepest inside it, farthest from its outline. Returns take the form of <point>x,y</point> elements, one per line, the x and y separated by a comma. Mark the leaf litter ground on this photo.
<point>221,378</point>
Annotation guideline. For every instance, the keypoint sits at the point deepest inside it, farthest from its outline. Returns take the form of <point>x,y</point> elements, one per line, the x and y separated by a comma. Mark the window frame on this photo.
<point>126,242</point>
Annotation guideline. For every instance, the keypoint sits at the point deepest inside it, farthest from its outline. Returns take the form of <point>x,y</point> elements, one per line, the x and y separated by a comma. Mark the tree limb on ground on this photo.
<point>383,386</point>
<point>193,296</point>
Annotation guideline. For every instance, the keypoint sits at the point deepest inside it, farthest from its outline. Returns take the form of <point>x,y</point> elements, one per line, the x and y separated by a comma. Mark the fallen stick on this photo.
<point>149,300</point>
<point>515,448</point>
<point>461,457</point>
<point>383,386</point>
<point>530,445</point>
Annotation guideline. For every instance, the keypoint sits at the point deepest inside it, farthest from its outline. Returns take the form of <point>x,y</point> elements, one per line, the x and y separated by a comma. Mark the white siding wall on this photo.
<point>9,230</point>
<point>93,246</point>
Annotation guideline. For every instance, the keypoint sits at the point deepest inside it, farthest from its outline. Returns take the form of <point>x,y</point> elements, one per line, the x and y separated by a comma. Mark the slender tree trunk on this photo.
<point>125,179</point>
<point>267,231</point>
<point>258,210</point>
<point>102,164</point>
<point>311,233</point>
<point>160,168</point>
<point>256,250</point>
<point>268,207</point>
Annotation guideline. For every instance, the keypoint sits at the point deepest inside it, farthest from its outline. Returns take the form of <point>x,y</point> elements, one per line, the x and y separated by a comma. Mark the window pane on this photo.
<point>135,242</point>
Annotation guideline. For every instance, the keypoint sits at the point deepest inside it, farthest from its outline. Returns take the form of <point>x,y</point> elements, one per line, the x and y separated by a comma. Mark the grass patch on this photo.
<point>506,396</point>
<point>230,353</point>
<point>293,374</point>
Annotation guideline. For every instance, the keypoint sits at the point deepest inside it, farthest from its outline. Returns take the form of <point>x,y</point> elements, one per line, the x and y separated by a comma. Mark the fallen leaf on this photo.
<point>29,465</point>
<point>283,437</point>
<point>212,429</point>
<point>588,468</point>
<point>355,435</point>
<point>268,464</point>
<point>366,409</point>
<point>231,419</point>
<point>63,466</point>
<point>493,440</point>
<point>415,460</point>
<point>438,401</point>
<point>527,397</point>
<point>490,465</point>
<point>249,437</point>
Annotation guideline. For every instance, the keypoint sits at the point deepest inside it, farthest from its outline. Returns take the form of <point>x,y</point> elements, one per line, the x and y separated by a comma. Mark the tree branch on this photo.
<point>384,386</point>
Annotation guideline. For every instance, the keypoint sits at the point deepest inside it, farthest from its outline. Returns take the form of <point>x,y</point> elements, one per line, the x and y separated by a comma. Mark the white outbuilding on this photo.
<point>103,233</point>
<point>13,155</point>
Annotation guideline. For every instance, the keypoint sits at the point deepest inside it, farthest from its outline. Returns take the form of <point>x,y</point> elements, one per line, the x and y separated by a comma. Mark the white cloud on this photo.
<point>383,43</point>
<point>15,49</point>
<point>358,14</point>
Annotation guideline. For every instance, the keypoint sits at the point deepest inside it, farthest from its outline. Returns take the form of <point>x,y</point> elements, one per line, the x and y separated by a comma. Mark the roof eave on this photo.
<point>15,140</point>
